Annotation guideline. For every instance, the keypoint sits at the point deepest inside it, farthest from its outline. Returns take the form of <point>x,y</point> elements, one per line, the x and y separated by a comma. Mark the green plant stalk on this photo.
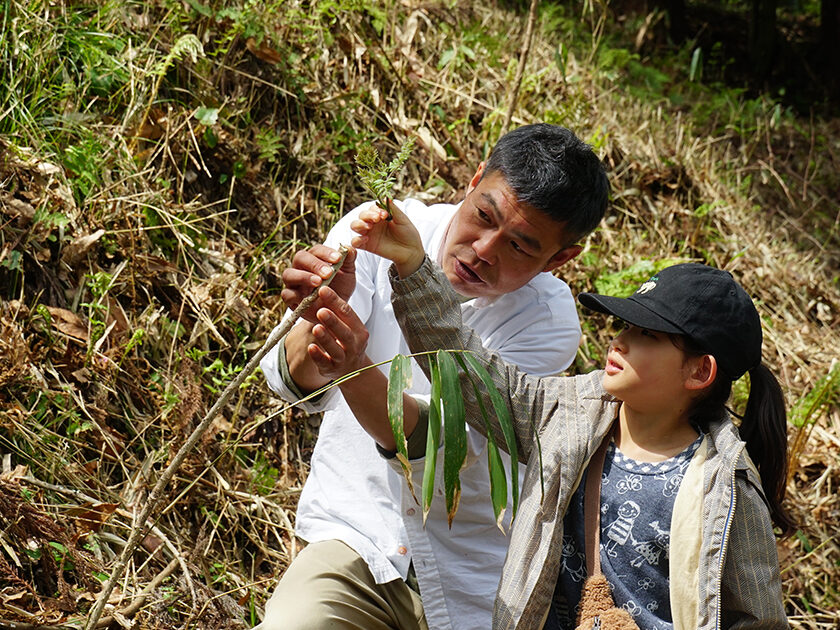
<point>155,495</point>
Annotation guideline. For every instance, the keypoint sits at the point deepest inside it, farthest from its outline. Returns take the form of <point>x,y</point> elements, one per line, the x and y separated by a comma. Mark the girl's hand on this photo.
<point>396,240</point>
<point>340,337</point>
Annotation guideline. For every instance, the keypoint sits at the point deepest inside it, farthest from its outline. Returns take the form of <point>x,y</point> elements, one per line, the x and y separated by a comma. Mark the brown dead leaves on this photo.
<point>47,557</point>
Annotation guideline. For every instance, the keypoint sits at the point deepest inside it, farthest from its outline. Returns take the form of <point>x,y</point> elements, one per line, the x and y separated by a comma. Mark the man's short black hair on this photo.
<point>549,168</point>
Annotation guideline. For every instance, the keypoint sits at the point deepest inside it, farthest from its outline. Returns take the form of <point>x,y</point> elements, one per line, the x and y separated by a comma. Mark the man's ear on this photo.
<point>562,257</point>
<point>476,178</point>
<point>702,372</point>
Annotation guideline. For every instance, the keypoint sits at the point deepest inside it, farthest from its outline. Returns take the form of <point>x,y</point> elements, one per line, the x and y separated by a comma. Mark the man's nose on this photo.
<point>486,247</point>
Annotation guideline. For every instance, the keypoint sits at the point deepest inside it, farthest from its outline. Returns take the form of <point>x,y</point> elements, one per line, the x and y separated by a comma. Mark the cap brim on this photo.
<point>630,311</point>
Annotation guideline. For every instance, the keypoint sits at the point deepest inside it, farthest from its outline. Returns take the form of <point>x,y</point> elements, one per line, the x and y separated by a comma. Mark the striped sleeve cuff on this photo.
<point>417,440</point>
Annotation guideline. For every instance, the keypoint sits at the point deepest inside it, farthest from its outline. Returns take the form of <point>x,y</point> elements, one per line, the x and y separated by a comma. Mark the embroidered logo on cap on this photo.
<point>647,286</point>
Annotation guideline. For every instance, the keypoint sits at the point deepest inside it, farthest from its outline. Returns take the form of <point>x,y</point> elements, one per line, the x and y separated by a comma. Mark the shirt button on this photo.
<point>402,550</point>
<point>410,511</point>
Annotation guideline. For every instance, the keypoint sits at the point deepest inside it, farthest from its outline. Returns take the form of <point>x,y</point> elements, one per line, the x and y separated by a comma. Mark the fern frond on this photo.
<point>187,44</point>
<point>402,157</point>
<point>377,177</point>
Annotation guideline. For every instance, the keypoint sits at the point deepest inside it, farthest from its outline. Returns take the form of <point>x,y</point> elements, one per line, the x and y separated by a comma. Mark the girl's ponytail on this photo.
<point>764,429</point>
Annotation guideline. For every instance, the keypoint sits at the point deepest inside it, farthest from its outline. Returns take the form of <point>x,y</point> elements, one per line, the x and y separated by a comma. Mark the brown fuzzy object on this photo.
<point>596,602</point>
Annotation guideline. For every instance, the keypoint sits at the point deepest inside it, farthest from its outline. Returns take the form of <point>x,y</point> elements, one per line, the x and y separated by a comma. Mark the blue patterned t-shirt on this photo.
<point>637,500</point>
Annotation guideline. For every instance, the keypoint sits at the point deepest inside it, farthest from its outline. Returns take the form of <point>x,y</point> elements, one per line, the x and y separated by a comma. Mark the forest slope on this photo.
<point>160,162</point>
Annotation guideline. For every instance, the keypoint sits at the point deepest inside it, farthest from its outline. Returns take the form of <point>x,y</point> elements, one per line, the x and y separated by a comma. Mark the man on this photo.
<point>371,563</point>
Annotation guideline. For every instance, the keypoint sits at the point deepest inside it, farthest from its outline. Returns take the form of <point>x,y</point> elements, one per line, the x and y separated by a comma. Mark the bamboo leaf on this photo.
<point>432,439</point>
<point>398,381</point>
<point>495,466</point>
<point>498,481</point>
<point>454,432</point>
<point>505,421</point>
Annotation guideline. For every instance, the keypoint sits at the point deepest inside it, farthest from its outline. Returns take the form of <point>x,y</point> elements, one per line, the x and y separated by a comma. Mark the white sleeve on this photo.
<point>546,346</point>
<point>536,327</point>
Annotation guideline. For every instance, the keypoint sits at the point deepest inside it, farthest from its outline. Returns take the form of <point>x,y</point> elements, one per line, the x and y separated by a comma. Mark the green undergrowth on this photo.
<point>161,162</point>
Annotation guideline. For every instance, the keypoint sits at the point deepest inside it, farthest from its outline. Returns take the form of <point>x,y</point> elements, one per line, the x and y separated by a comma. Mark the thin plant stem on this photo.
<point>523,60</point>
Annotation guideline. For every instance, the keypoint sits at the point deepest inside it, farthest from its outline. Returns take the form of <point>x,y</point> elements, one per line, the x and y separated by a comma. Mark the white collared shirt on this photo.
<point>354,495</point>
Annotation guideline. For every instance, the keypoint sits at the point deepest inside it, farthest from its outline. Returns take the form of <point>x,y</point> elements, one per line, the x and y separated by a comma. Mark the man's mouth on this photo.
<point>466,274</point>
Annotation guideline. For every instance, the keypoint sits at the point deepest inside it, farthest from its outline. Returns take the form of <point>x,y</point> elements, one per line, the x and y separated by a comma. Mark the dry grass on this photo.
<point>94,409</point>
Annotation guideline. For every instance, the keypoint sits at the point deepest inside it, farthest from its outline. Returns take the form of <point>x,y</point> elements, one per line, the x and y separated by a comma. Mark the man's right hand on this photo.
<point>390,234</point>
<point>309,269</point>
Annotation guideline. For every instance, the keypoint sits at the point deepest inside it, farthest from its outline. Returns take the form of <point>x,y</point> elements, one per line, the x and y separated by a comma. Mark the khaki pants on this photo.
<point>328,585</point>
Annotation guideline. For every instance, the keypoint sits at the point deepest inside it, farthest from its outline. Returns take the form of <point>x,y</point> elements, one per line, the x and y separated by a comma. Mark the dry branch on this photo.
<point>157,492</point>
<point>523,60</point>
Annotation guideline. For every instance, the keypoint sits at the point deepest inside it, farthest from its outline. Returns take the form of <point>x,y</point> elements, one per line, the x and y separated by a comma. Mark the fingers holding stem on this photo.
<point>340,338</point>
<point>390,234</point>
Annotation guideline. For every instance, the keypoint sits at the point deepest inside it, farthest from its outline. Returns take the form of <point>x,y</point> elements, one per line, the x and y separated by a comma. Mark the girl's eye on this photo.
<point>648,333</point>
<point>617,326</point>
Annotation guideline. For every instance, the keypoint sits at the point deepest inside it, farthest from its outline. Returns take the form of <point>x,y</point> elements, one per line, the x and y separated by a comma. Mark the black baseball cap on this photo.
<point>703,303</point>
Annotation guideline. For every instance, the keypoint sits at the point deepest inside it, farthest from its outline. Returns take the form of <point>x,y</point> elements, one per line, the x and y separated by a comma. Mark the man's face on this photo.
<point>495,245</point>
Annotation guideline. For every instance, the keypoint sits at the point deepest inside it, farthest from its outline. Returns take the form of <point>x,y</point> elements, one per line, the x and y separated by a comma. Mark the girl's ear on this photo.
<point>701,373</point>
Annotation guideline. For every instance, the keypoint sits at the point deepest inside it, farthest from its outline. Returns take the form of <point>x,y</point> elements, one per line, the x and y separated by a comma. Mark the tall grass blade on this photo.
<point>398,381</point>
<point>454,432</point>
<point>432,439</point>
<point>808,409</point>
<point>696,69</point>
<point>826,391</point>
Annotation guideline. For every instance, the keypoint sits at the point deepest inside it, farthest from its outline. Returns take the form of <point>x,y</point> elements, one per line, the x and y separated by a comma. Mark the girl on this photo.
<point>687,507</point>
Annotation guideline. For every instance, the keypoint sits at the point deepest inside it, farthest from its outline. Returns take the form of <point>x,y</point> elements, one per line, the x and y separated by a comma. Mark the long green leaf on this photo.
<point>505,421</point>
<point>432,439</point>
<point>454,432</point>
<point>495,466</point>
<point>398,381</point>
<point>498,481</point>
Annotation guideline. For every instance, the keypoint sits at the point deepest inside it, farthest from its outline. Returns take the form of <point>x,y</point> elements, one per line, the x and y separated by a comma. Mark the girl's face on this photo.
<point>646,371</point>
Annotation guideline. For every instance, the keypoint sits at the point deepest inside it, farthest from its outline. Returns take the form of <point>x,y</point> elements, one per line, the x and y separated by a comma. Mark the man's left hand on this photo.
<point>340,337</point>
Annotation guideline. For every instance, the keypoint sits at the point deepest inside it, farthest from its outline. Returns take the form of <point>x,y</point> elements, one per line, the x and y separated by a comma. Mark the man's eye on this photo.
<point>648,333</point>
<point>516,246</point>
<point>483,215</point>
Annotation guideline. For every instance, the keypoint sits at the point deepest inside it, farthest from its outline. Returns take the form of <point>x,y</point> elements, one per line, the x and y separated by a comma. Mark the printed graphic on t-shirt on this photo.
<point>637,499</point>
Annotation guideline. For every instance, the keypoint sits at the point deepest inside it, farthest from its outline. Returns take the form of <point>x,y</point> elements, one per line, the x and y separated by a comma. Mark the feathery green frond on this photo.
<point>377,177</point>
<point>187,44</point>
